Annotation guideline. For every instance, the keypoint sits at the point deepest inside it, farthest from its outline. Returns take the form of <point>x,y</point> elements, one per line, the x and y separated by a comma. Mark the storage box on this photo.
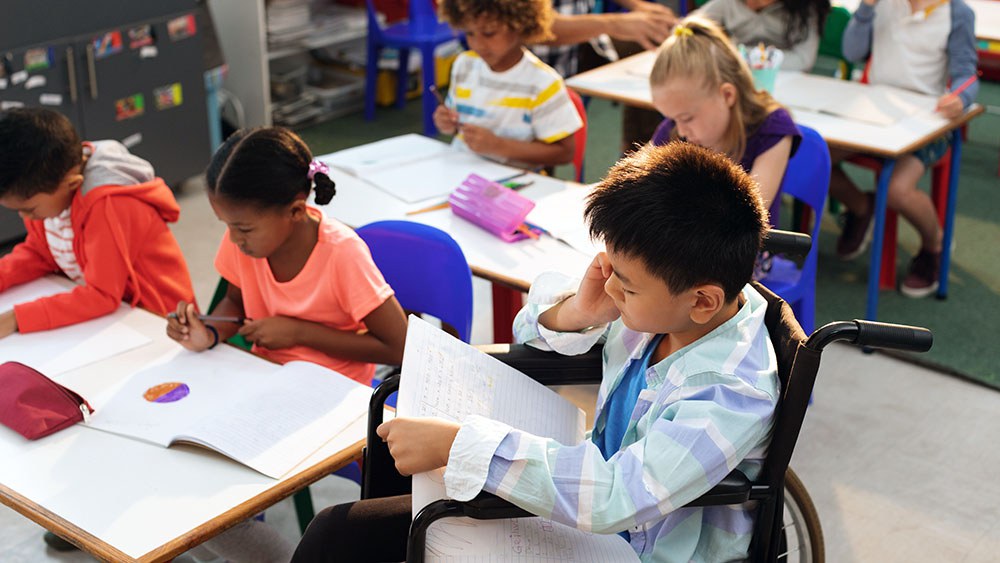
<point>385,87</point>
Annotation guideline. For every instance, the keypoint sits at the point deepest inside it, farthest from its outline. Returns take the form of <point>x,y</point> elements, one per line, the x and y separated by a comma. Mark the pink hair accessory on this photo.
<point>316,167</point>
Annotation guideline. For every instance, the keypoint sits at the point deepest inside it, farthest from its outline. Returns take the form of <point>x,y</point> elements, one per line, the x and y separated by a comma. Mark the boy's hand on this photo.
<point>591,300</point>
<point>273,333</point>
<point>8,323</point>
<point>481,140</point>
<point>446,120</point>
<point>418,444</point>
<point>188,329</point>
<point>949,106</point>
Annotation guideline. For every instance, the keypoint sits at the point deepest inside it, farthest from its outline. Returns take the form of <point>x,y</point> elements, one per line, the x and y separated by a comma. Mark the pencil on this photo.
<point>437,93</point>
<point>214,318</point>
<point>444,205</point>
<point>966,84</point>
<point>527,230</point>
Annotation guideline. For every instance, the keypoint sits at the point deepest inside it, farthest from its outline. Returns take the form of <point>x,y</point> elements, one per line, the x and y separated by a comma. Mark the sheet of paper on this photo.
<point>53,352</point>
<point>464,540</point>
<point>561,214</point>
<point>437,176</point>
<point>386,153</point>
<point>877,105</point>
<point>267,417</point>
<point>447,378</point>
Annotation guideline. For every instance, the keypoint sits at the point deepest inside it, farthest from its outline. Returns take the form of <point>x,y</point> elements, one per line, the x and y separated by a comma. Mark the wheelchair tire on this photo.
<point>801,536</point>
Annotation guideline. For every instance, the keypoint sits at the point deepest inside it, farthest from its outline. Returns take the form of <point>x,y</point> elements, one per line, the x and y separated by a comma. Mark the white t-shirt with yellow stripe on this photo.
<point>527,102</point>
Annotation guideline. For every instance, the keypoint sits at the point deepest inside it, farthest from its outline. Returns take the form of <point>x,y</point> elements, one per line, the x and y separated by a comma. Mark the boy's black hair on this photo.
<point>268,167</point>
<point>688,213</point>
<point>38,146</point>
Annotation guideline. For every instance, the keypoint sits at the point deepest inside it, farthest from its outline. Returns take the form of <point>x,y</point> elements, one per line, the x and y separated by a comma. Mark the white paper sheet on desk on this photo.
<point>53,352</point>
<point>561,214</point>
<point>387,153</point>
<point>877,105</point>
<point>437,176</point>
<point>265,416</point>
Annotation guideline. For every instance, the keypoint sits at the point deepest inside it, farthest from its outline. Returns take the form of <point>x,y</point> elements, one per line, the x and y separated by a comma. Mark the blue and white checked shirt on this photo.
<point>707,409</point>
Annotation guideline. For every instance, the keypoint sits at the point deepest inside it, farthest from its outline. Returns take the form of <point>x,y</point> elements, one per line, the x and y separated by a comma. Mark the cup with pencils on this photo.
<point>764,62</point>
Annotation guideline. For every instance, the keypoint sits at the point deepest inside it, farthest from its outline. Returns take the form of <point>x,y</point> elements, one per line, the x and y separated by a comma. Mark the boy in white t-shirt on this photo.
<point>503,102</point>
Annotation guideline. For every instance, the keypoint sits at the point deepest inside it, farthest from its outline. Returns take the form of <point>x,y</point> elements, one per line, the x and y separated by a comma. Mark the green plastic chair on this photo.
<point>830,44</point>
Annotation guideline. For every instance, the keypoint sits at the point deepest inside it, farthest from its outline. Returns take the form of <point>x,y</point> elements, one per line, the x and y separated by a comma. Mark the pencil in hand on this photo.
<point>214,318</point>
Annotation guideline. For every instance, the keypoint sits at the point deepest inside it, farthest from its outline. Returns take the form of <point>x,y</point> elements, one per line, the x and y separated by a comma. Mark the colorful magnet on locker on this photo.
<point>168,96</point>
<point>38,59</point>
<point>132,106</point>
<point>108,44</point>
<point>182,27</point>
<point>140,36</point>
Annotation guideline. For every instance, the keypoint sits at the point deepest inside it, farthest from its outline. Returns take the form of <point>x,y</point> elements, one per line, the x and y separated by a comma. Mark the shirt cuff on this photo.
<point>549,289</point>
<point>470,456</point>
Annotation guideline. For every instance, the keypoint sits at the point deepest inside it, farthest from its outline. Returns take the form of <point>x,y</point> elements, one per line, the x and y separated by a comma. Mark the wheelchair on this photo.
<point>787,524</point>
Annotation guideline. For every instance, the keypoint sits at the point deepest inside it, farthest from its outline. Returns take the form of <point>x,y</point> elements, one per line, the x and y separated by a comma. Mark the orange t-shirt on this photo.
<point>338,287</point>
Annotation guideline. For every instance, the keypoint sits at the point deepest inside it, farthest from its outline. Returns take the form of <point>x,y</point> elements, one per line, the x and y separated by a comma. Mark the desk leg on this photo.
<point>875,266</point>
<point>506,303</point>
<point>949,218</point>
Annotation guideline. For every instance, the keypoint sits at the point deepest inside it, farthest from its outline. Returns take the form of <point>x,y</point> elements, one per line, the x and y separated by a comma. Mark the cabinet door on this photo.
<point>41,75</point>
<point>143,85</point>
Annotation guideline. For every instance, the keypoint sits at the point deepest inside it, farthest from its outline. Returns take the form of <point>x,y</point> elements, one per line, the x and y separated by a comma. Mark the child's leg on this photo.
<point>251,541</point>
<point>860,206</point>
<point>912,203</point>
<point>367,530</point>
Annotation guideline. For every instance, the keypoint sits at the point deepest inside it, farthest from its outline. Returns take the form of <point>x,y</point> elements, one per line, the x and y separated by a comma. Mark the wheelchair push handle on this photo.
<point>873,335</point>
<point>787,242</point>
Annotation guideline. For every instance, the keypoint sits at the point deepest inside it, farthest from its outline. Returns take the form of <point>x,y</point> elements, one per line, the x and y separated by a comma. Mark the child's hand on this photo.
<point>591,300</point>
<point>418,444</point>
<point>648,29</point>
<point>481,140</point>
<point>8,323</point>
<point>188,329</point>
<point>949,106</point>
<point>273,333</point>
<point>446,120</point>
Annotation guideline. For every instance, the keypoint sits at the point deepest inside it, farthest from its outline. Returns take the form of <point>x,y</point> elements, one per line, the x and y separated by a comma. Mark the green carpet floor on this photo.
<point>964,325</point>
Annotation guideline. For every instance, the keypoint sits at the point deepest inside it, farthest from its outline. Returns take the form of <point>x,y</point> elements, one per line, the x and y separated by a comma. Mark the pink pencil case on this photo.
<point>498,209</point>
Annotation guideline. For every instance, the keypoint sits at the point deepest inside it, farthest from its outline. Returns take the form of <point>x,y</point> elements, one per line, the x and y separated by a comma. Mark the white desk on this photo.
<point>509,265</point>
<point>125,500</point>
<point>626,81</point>
<point>987,21</point>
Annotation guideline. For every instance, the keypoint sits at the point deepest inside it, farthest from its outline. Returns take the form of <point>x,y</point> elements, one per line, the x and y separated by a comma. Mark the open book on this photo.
<point>263,415</point>
<point>415,168</point>
<point>876,104</point>
<point>446,378</point>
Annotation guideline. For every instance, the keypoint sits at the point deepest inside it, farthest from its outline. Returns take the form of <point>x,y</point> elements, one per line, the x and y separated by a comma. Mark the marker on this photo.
<point>214,318</point>
<point>437,93</point>
<point>527,230</point>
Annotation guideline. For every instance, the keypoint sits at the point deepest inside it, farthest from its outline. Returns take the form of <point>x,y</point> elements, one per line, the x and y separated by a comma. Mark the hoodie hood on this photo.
<point>111,170</point>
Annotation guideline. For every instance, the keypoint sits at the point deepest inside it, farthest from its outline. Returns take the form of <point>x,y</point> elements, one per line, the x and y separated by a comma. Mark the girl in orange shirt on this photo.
<point>305,283</point>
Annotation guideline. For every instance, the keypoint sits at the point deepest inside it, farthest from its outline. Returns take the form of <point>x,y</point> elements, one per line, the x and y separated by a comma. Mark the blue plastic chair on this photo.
<point>423,31</point>
<point>426,268</point>
<point>807,179</point>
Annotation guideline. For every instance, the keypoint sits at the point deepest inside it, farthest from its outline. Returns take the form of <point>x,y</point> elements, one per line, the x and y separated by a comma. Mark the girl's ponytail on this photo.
<point>325,188</point>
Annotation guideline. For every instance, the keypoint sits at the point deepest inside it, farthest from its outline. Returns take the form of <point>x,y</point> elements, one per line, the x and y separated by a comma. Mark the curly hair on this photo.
<point>530,19</point>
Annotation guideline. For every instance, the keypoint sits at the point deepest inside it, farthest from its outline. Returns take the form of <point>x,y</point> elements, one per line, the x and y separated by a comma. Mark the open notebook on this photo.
<point>877,104</point>
<point>265,416</point>
<point>414,168</point>
<point>446,378</point>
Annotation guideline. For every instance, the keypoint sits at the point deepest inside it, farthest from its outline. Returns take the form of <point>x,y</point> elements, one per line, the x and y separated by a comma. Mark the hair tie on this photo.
<point>682,30</point>
<point>317,167</point>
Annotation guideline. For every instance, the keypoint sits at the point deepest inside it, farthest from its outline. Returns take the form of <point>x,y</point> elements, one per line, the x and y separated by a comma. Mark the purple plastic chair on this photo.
<point>807,179</point>
<point>423,31</point>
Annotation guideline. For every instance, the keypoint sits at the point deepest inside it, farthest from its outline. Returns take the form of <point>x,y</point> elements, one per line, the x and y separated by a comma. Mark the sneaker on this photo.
<point>57,543</point>
<point>922,279</point>
<point>857,232</point>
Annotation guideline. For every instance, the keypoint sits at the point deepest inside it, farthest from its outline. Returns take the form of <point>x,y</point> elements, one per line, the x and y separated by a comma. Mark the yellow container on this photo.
<point>385,86</point>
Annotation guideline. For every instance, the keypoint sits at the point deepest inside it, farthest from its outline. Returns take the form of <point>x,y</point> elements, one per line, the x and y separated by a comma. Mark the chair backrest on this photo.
<point>423,14</point>
<point>807,179</point>
<point>426,269</point>
<point>580,137</point>
<point>831,42</point>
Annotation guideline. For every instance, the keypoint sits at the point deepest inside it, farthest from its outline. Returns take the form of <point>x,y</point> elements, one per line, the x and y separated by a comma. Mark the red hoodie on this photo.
<point>123,247</point>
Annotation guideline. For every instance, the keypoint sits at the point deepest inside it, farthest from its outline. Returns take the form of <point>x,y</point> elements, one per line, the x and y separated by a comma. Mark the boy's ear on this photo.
<point>73,179</point>
<point>729,94</point>
<point>709,299</point>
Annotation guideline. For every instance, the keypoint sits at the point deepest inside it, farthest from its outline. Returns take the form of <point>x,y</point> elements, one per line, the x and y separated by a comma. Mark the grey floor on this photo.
<point>900,461</point>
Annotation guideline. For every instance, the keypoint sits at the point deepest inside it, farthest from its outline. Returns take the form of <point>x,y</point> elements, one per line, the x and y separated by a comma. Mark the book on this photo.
<point>265,416</point>
<point>446,378</point>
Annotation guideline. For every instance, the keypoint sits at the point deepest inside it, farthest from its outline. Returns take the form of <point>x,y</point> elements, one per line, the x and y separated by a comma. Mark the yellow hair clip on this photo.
<point>680,30</point>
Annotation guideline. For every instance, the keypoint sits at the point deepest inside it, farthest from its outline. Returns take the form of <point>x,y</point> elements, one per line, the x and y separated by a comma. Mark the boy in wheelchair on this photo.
<point>689,390</point>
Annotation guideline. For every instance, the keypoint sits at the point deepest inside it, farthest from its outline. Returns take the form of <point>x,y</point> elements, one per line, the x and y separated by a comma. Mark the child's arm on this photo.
<point>28,260</point>
<point>769,169</point>
<point>484,141</point>
<point>647,29</point>
<point>962,61</point>
<point>689,449</point>
<point>382,343</point>
<point>802,55</point>
<point>186,328</point>
<point>856,42</point>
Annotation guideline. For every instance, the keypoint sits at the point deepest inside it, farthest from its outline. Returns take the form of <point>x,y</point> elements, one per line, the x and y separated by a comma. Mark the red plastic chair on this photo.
<point>580,137</point>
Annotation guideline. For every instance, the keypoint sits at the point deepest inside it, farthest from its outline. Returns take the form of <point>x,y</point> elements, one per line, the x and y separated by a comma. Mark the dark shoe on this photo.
<point>57,543</point>
<point>922,279</point>
<point>857,233</point>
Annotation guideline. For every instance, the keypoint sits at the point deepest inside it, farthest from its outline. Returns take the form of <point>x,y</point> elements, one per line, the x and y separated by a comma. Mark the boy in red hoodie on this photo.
<point>93,212</point>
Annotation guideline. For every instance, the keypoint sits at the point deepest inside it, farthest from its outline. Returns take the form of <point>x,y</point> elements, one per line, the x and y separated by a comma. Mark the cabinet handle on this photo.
<point>71,68</point>
<point>92,71</point>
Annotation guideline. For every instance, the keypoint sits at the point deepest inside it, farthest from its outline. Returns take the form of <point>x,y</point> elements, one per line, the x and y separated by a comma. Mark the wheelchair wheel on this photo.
<point>801,535</point>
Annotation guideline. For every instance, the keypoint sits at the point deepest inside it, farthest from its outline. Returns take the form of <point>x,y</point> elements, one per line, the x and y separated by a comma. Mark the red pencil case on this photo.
<point>34,406</point>
<point>498,209</point>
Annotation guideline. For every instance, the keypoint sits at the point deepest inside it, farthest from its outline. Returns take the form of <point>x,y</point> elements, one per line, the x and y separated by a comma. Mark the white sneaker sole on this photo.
<point>865,242</point>
<point>919,292</point>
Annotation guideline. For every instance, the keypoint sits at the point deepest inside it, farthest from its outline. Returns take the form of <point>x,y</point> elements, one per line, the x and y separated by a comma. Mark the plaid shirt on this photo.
<point>563,58</point>
<point>707,409</point>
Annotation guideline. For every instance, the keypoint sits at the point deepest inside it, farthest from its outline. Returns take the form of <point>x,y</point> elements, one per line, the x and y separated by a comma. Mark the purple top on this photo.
<point>777,125</point>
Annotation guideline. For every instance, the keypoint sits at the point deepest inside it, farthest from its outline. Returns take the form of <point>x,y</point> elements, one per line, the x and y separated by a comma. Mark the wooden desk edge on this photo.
<point>633,102</point>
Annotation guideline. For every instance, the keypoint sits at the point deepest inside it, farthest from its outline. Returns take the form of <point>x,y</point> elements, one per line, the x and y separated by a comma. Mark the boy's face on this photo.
<point>645,301</point>
<point>257,232</point>
<point>43,205</point>
<point>701,115</point>
<point>497,44</point>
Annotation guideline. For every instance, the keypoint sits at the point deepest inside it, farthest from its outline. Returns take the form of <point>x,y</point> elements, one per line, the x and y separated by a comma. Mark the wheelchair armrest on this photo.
<point>733,489</point>
<point>550,368</point>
